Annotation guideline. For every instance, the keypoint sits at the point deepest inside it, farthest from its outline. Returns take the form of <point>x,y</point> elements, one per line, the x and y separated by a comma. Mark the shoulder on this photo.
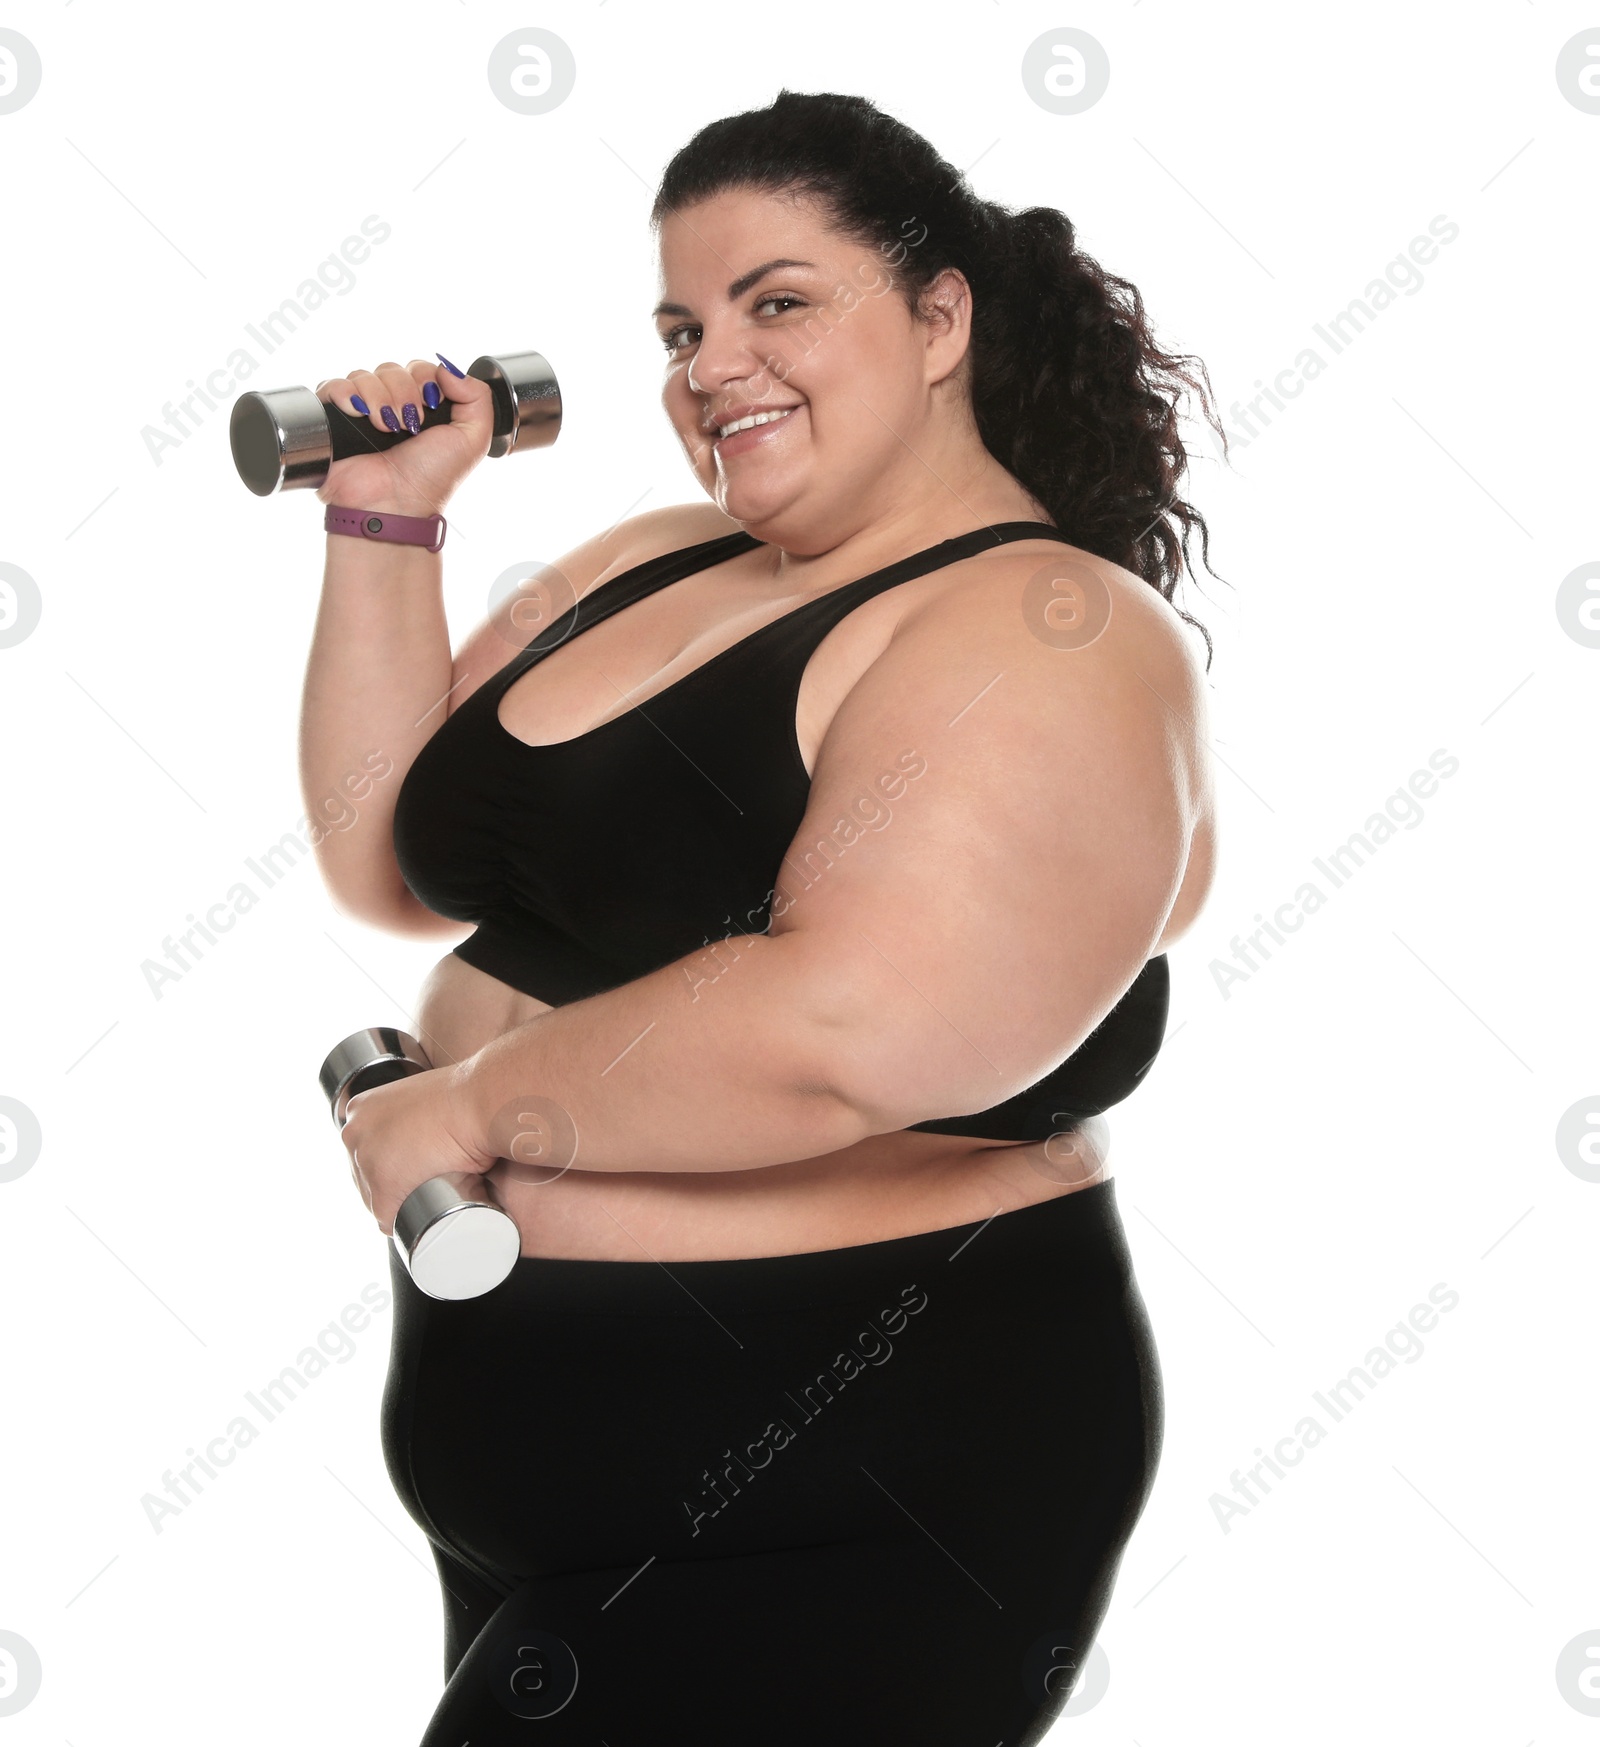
<point>1037,596</point>
<point>1079,635</point>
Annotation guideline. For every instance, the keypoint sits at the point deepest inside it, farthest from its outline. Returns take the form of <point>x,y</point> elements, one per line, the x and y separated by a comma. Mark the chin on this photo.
<point>752,508</point>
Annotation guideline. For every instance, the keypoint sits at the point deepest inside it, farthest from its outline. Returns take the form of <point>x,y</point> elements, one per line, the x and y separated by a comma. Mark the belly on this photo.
<point>887,1186</point>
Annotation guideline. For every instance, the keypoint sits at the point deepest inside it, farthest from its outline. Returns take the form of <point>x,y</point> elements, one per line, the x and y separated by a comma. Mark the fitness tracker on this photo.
<point>425,531</point>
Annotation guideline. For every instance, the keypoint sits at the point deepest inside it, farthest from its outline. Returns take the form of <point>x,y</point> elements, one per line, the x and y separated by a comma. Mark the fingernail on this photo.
<point>361,406</point>
<point>430,393</point>
<point>448,365</point>
<point>387,414</point>
<point>410,415</point>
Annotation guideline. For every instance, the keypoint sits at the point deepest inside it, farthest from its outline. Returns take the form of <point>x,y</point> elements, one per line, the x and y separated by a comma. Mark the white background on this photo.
<point>1370,1113</point>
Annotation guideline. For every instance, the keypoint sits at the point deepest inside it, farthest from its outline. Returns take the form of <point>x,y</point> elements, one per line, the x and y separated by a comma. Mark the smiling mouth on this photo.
<point>750,423</point>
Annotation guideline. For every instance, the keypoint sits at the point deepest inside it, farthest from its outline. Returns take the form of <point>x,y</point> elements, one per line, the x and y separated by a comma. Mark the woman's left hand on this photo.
<point>400,1134</point>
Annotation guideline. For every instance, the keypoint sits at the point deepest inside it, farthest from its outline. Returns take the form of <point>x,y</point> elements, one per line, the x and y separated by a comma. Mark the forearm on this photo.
<point>675,1071</point>
<point>376,684</point>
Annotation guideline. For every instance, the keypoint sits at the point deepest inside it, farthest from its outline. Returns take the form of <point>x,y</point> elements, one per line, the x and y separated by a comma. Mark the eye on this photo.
<point>671,341</point>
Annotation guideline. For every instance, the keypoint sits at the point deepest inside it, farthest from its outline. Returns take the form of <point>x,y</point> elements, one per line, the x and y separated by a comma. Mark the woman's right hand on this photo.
<point>418,476</point>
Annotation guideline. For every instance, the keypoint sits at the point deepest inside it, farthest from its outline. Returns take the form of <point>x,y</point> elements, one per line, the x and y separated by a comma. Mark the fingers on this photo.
<point>427,378</point>
<point>399,406</point>
<point>339,390</point>
<point>395,397</point>
<point>362,394</point>
<point>390,396</point>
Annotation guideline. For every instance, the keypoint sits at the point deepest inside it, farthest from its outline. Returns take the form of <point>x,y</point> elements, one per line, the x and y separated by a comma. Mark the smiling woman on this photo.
<point>936,570</point>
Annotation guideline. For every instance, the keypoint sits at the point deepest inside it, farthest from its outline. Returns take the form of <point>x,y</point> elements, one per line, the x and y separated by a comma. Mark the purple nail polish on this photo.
<point>413,421</point>
<point>387,415</point>
<point>430,393</point>
<point>448,365</point>
<point>361,406</point>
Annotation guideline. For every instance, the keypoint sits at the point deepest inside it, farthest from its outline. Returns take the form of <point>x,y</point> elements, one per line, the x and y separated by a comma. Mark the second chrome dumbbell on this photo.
<point>453,1236</point>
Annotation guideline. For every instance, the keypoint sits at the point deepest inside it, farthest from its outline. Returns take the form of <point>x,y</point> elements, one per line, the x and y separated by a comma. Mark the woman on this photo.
<point>817,906</point>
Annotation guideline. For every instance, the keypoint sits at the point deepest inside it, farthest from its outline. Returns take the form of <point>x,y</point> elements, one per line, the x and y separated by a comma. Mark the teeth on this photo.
<point>760,418</point>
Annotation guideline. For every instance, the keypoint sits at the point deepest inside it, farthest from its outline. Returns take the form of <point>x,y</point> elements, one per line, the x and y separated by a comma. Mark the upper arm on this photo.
<point>543,597</point>
<point>995,833</point>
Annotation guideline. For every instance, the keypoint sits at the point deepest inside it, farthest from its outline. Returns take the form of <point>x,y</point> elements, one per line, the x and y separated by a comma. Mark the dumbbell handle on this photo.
<point>455,1239</point>
<point>352,433</point>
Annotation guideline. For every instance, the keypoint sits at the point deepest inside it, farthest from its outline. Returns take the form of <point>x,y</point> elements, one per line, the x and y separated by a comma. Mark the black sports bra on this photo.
<point>590,862</point>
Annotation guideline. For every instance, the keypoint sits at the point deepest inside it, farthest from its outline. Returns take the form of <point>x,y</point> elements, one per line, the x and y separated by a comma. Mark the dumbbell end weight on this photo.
<point>456,1241</point>
<point>367,1058</point>
<point>285,439</point>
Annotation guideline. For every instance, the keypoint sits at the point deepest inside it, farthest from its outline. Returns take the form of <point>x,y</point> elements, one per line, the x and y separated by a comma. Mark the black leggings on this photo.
<point>865,1496</point>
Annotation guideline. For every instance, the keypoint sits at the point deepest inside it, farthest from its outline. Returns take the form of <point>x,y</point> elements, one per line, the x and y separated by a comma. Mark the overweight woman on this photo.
<point>810,855</point>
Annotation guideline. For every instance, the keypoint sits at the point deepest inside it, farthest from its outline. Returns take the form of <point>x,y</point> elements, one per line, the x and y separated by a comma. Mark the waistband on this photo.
<point>1078,1234</point>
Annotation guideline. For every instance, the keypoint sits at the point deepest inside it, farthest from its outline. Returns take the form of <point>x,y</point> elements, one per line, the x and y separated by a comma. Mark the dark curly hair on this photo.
<point>1070,391</point>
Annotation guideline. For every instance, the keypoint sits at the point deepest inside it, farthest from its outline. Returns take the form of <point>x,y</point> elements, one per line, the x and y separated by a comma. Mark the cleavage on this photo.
<point>597,691</point>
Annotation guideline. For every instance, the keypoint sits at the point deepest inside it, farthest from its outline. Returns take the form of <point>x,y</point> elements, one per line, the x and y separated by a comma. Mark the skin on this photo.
<point>880,459</point>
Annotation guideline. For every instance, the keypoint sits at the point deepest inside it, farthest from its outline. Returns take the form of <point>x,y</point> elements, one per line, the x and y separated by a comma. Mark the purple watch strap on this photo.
<point>426,531</point>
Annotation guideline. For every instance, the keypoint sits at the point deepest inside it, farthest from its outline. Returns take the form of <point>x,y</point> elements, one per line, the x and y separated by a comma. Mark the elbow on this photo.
<point>866,1104</point>
<point>892,1057</point>
<point>872,1075</point>
<point>393,910</point>
<point>832,1048</point>
<point>897,1097</point>
<point>887,1090</point>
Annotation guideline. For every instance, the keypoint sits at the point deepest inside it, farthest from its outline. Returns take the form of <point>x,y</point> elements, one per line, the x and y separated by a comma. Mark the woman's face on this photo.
<point>765,308</point>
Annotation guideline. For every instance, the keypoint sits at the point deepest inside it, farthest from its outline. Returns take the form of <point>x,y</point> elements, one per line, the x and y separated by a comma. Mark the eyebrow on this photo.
<point>737,289</point>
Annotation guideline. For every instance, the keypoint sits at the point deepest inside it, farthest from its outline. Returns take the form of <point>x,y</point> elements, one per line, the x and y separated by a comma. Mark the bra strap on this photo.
<point>634,584</point>
<point>951,551</point>
<point>669,567</point>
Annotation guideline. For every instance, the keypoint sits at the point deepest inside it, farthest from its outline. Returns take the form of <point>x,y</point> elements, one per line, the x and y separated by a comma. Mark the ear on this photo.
<point>946,310</point>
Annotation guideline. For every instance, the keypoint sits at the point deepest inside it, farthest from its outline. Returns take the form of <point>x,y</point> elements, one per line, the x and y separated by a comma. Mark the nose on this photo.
<point>730,356</point>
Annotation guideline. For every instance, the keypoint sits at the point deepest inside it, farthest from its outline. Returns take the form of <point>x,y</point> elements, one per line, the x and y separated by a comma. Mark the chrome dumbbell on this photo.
<point>453,1236</point>
<point>285,439</point>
